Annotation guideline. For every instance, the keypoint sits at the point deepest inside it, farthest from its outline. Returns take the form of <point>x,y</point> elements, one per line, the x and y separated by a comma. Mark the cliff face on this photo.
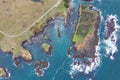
<point>86,37</point>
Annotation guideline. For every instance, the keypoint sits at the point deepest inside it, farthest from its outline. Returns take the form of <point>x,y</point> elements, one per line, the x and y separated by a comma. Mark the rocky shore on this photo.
<point>109,29</point>
<point>3,73</point>
<point>40,66</point>
<point>111,36</point>
<point>26,54</point>
<point>87,48</point>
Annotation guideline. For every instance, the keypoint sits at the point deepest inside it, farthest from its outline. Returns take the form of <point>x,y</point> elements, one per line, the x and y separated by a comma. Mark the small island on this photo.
<point>40,66</point>
<point>25,55</point>
<point>3,73</point>
<point>47,48</point>
<point>110,28</point>
<point>85,37</point>
<point>18,62</point>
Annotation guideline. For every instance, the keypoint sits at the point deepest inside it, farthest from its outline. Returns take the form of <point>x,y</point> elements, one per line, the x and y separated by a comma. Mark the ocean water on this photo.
<point>60,62</point>
<point>109,69</point>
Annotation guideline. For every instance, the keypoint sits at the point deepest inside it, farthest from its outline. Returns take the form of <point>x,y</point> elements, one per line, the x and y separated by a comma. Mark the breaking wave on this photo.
<point>86,69</point>
<point>110,43</point>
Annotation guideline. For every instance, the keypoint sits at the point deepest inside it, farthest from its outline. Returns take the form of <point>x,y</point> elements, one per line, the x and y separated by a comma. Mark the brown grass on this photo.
<point>8,44</point>
<point>17,15</point>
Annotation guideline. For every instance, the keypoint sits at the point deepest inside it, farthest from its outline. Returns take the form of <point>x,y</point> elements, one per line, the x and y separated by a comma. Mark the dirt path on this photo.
<point>17,35</point>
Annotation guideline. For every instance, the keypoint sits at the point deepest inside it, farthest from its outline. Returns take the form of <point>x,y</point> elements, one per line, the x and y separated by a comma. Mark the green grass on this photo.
<point>90,30</point>
<point>45,46</point>
<point>77,38</point>
<point>85,24</point>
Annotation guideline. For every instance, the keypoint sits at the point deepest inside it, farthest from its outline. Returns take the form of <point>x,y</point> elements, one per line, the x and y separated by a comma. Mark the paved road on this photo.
<point>17,35</point>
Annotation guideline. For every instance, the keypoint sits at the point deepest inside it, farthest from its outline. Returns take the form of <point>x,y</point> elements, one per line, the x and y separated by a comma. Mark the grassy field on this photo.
<point>17,15</point>
<point>85,24</point>
<point>85,27</point>
<point>13,45</point>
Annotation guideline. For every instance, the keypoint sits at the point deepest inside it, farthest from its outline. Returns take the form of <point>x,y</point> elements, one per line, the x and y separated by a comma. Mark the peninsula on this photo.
<point>85,37</point>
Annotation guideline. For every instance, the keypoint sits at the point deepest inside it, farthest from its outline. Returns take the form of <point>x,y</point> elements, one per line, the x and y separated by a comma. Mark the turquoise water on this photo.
<point>60,62</point>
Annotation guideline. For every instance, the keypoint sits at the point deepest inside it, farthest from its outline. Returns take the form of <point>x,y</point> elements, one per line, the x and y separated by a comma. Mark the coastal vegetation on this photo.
<point>14,44</point>
<point>85,24</point>
<point>46,47</point>
<point>66,3</point>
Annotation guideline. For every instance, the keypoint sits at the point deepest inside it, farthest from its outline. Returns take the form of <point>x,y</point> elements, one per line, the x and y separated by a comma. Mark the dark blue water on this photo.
<point>109,69</point>
<point>60,62</point>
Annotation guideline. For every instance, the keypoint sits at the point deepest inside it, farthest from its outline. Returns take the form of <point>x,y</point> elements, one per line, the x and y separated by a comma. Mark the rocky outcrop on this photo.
<point>88,47</point>
<point>40,66</point>
<point>3,73</point>
<point>110,27</point>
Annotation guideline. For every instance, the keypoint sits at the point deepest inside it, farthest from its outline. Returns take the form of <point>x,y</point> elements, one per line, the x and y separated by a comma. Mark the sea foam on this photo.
<point>111,41</point>
<point>9,75</point>
<point>86,69</point>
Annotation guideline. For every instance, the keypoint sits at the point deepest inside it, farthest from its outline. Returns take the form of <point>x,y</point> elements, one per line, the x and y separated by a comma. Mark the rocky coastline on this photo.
<point>90,49</point>
<point>25,56</point>
<point>3,73</point>
<point>109,29</point>
<point>87,48</point>
<point>49,52</point>
<point>40,66</point>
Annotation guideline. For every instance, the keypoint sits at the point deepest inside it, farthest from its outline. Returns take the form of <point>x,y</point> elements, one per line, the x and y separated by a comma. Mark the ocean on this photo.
<point>60,63</point>
<point>109,69</point>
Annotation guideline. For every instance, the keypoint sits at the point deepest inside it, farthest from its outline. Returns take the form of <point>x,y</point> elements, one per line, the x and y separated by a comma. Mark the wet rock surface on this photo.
<point>40,66</point>
<point>90,42</point>
<point>18,62</point>
<point>87,0</point>
<point>59,34</point>
<point>3,73</point>
<point>110,27</point>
